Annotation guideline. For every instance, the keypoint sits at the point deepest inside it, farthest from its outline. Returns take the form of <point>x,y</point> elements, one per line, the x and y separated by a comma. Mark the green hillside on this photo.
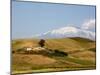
<point>81,55</point>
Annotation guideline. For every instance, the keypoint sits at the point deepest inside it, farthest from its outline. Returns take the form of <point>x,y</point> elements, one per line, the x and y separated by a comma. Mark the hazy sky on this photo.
<point>30,18</point>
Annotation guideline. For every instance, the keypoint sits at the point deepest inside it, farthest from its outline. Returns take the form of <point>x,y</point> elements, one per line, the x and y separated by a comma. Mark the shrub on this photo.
<point>93,49</point>
<point>13,51</point>
<point>60,53</point>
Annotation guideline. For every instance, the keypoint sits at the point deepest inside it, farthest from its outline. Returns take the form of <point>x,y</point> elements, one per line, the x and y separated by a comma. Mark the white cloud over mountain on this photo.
<point>90,24</point>
<point>71,31</point>
<point>67,31</point>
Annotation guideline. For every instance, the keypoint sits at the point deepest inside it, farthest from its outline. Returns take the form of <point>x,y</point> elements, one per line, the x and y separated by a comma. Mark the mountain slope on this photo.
<point>68,32</point>
<point>66,44</point>
<point>81,55</point>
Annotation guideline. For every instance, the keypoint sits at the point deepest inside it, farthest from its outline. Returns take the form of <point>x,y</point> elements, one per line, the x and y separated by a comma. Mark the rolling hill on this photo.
<point>81,55</point>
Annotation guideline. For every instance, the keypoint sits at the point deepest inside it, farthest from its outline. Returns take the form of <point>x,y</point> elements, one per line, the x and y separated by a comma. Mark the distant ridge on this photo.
<point>68,31</point>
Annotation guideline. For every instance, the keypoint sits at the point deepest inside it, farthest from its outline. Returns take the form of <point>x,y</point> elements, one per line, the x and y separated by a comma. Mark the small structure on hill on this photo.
<point>29,48</point>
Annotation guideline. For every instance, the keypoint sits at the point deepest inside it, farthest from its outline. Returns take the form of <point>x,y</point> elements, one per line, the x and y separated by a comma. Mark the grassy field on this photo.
<point>81,55</point>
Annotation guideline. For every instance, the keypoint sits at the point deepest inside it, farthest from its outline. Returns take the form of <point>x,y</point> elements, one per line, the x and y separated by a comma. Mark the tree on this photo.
<point>41,43</point>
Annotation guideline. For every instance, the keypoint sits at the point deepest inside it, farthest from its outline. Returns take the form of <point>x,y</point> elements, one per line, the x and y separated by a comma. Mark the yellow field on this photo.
<point>81,55</point>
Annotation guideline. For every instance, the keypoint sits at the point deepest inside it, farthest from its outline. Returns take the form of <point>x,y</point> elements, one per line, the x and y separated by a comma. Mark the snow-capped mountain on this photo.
<point>68,32</point>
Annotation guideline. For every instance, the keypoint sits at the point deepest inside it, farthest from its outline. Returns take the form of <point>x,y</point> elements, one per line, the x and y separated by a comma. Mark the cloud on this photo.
<point>89,25</point>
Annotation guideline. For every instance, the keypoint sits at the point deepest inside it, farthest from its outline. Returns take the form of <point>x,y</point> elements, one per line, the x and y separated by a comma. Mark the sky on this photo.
<point>31,18</point>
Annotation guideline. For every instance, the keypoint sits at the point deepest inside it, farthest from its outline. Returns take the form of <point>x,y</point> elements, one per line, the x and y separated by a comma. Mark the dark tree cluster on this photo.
<point>42,43</point>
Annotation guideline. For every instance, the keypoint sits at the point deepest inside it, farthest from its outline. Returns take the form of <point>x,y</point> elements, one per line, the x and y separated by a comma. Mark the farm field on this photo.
<point>63,54</point>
